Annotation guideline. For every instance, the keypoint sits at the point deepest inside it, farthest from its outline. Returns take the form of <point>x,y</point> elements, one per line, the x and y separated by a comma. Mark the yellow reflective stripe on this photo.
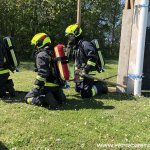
<point>4,71</point>
<point>59,64</point>
<point>101,58</point>
<point>29,100</point>
<point>4,59</point>
<point>14,57</point>
<point>51,84</point>
<point>93,92</point>
<point>36,86</point>
<point>91,63</point>
<point>40,78</point>
<point>9,42</point>
<point>12,53</point>
<point>97,44</point>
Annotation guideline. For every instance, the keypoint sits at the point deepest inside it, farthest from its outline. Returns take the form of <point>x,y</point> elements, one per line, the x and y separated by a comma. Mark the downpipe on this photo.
<point>143,8</point>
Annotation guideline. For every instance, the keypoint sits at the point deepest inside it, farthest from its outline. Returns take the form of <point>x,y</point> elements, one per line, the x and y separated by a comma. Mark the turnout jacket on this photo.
<point>46,70</point>
<point>85,56</point>
<point>3,65</point>
<point>1,56</point>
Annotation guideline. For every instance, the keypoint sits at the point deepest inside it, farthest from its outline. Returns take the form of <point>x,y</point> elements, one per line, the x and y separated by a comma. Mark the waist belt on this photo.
<point>3,71</point>
<point>51,84</point>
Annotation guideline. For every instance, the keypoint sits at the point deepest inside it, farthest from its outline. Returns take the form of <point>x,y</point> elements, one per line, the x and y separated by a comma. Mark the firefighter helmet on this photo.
<point>40,40</point>
<point>73,29</point>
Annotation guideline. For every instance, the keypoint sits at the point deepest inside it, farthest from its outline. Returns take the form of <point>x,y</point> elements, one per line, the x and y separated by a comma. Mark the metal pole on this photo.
<point>79,13</point>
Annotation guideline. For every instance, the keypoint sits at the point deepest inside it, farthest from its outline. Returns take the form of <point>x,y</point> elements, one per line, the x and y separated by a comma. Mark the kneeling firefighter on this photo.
<point>87,59</point>
<point>8,62</point>
<point>48,85</point>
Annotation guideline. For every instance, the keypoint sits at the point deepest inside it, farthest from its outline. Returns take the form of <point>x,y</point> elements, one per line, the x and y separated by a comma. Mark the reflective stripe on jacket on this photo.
<point>3,71</point>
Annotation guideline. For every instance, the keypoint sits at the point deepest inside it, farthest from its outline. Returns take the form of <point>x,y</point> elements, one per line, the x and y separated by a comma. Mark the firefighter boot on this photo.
<point>51,101</point>
<point>2,91</point>
<point>10,88</point>
<point>60,97</point>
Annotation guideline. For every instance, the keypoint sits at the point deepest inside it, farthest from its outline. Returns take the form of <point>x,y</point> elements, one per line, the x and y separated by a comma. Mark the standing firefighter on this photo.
<point>47,89</point>
<point>86,60</point>
<point>8,62</point>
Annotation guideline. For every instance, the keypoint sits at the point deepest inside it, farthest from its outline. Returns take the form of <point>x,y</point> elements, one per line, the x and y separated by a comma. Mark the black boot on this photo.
<point>60,96</point>
<point>2,95</point>
<point>51,101</point>
<point>10,88</point>
<point>2,91</point>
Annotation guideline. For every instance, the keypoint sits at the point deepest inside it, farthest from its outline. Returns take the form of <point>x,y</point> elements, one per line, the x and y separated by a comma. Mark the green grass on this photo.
<point>81,124</point>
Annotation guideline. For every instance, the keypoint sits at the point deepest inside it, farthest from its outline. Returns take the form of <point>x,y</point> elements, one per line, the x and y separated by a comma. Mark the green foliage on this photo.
<point>23,19</point>
<point>81,124</point>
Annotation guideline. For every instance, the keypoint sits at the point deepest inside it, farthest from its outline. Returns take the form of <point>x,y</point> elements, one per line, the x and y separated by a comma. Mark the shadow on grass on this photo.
<point>146,94</point>
<point>117,97</point>
<point>72,104</point>
<point>19,98</point>
<point>2,146</point>
<point>79,103</point>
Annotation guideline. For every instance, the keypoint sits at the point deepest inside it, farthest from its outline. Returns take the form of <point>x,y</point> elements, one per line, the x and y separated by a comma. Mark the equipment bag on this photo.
<point>101,62</point>
<point>10,54</point>
<point>61,62</point>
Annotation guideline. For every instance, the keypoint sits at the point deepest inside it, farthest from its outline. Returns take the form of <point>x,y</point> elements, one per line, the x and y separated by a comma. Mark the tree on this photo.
<point>23,19</point>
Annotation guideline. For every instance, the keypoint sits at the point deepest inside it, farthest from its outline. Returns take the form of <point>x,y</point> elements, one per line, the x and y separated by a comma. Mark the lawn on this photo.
<point>81,123</point>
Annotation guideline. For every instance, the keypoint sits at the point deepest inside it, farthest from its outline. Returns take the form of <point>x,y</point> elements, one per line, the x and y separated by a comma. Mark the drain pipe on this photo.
<point>143,9</point>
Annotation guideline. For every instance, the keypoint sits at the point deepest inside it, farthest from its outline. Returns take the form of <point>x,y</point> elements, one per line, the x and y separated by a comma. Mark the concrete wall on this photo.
<point>125,43</point>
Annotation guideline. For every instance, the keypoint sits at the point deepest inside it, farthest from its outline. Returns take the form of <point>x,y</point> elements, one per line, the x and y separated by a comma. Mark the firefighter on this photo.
<point>47,89</point>
<point>86,60</point>
<point>6,84</point>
